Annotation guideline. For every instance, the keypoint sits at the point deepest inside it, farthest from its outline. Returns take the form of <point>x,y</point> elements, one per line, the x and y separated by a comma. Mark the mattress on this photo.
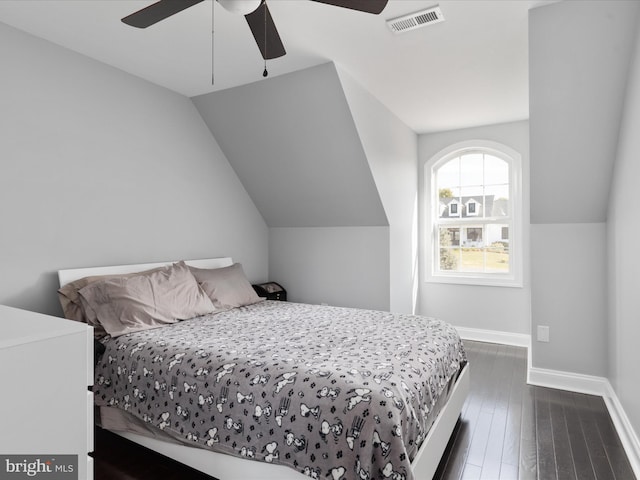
<point>332,392</point>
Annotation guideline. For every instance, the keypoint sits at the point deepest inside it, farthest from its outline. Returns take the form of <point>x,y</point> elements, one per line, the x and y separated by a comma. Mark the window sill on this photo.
<point>508,282</point>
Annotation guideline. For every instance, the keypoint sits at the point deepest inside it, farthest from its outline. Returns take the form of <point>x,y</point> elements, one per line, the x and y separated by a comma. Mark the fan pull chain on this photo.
<point>213,8</point>
<point>265,73</point>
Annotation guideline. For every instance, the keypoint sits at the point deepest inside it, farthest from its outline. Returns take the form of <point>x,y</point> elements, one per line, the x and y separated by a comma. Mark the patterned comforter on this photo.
<point>332,392</point>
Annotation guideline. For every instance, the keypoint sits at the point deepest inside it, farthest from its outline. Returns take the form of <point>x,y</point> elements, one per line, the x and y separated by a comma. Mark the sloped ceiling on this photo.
<point>579,54</point>
<point>469,70</point>
<point>295,147</point>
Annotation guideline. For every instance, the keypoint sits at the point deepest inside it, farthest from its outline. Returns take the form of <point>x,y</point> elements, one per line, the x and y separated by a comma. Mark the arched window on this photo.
<point>474,215</point>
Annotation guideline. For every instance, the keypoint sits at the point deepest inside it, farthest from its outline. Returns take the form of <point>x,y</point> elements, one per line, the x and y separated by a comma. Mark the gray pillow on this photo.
<point>149,300</point>
<point>73,307</point>
<point>227,287</point>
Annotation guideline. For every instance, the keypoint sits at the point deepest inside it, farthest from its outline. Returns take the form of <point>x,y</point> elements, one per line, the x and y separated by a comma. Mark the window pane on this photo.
<point>472,236</point>
<point>471,167</point>
<point>498,248</point>
<point>449,192</point>
<point>448,175</point>
<point>493,259</point>
<point>472,260</point>
<point>496,171</point>
<point>449,259</point>
<point>449,237</point>
<point>467,192</point>
<point>497,201</point>
<point>497,256</point>
<point>449,241</point>
<point>454,235</point>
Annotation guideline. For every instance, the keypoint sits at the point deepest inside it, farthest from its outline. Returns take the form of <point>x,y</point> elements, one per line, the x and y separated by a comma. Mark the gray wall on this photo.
<point>334,173</point>
<point>99,167</point>
<point>504,309</point>
<point>578,63</point>
<point>391,149</point>
<point>578,55</point>
<point>294,145</point>
<point>568,278</point>
<point>623,232</point>
<point>342,266</point>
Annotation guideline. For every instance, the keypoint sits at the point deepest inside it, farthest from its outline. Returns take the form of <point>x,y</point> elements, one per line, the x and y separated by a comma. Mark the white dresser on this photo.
<point>46,369</point>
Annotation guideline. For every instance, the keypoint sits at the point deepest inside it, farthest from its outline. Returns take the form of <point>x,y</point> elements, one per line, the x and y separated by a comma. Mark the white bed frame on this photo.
<point>227,467</point>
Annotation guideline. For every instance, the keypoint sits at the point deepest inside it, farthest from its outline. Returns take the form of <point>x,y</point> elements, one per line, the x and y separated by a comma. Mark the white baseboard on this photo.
<point>573,382</point>
<point>491,336</point>
<point>627,434</point>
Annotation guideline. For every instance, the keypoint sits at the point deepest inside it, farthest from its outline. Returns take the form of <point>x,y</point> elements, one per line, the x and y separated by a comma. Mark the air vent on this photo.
<point>416,20</point>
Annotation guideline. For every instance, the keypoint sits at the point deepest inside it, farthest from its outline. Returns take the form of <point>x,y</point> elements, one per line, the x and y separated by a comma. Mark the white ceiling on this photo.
<point>470,70</point>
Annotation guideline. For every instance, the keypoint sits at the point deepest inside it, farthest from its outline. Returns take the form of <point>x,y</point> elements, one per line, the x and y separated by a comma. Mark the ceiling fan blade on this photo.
<point>367,6</point>
<point>158,11</point>
<point>260,20</point>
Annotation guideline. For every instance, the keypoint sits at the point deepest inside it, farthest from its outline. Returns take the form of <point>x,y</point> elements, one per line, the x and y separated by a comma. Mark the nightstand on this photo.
<point>271,291</point>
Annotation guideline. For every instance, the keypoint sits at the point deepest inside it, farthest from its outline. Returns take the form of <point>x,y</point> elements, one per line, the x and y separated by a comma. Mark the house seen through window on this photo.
<point>473,217</point>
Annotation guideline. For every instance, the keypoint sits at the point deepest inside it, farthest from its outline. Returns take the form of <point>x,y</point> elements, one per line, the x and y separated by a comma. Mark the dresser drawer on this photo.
<point>45,373</point>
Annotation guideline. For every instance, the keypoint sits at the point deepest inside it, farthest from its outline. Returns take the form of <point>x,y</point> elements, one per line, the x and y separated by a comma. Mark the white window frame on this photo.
<point>516,246</point>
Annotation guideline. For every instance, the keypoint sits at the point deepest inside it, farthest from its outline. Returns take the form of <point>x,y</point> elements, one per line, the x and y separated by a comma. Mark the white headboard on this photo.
<point>66,276</point>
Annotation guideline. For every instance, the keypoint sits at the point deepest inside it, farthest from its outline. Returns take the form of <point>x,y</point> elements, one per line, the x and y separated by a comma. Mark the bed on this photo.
<point>275,390</point>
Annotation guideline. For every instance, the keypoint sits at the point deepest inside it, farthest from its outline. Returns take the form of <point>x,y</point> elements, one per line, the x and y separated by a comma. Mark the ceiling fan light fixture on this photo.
<point>240,7</point>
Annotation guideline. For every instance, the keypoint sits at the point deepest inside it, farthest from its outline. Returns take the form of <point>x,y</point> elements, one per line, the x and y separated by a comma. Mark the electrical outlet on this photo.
<point>543,333</point>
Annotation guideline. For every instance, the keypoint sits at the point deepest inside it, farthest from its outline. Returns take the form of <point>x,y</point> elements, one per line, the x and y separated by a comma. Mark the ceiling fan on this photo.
<point>255,11</point>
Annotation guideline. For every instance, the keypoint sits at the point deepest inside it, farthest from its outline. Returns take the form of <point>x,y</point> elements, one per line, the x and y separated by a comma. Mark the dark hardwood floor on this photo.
<point>508,430</point>
<point>513,431</point>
